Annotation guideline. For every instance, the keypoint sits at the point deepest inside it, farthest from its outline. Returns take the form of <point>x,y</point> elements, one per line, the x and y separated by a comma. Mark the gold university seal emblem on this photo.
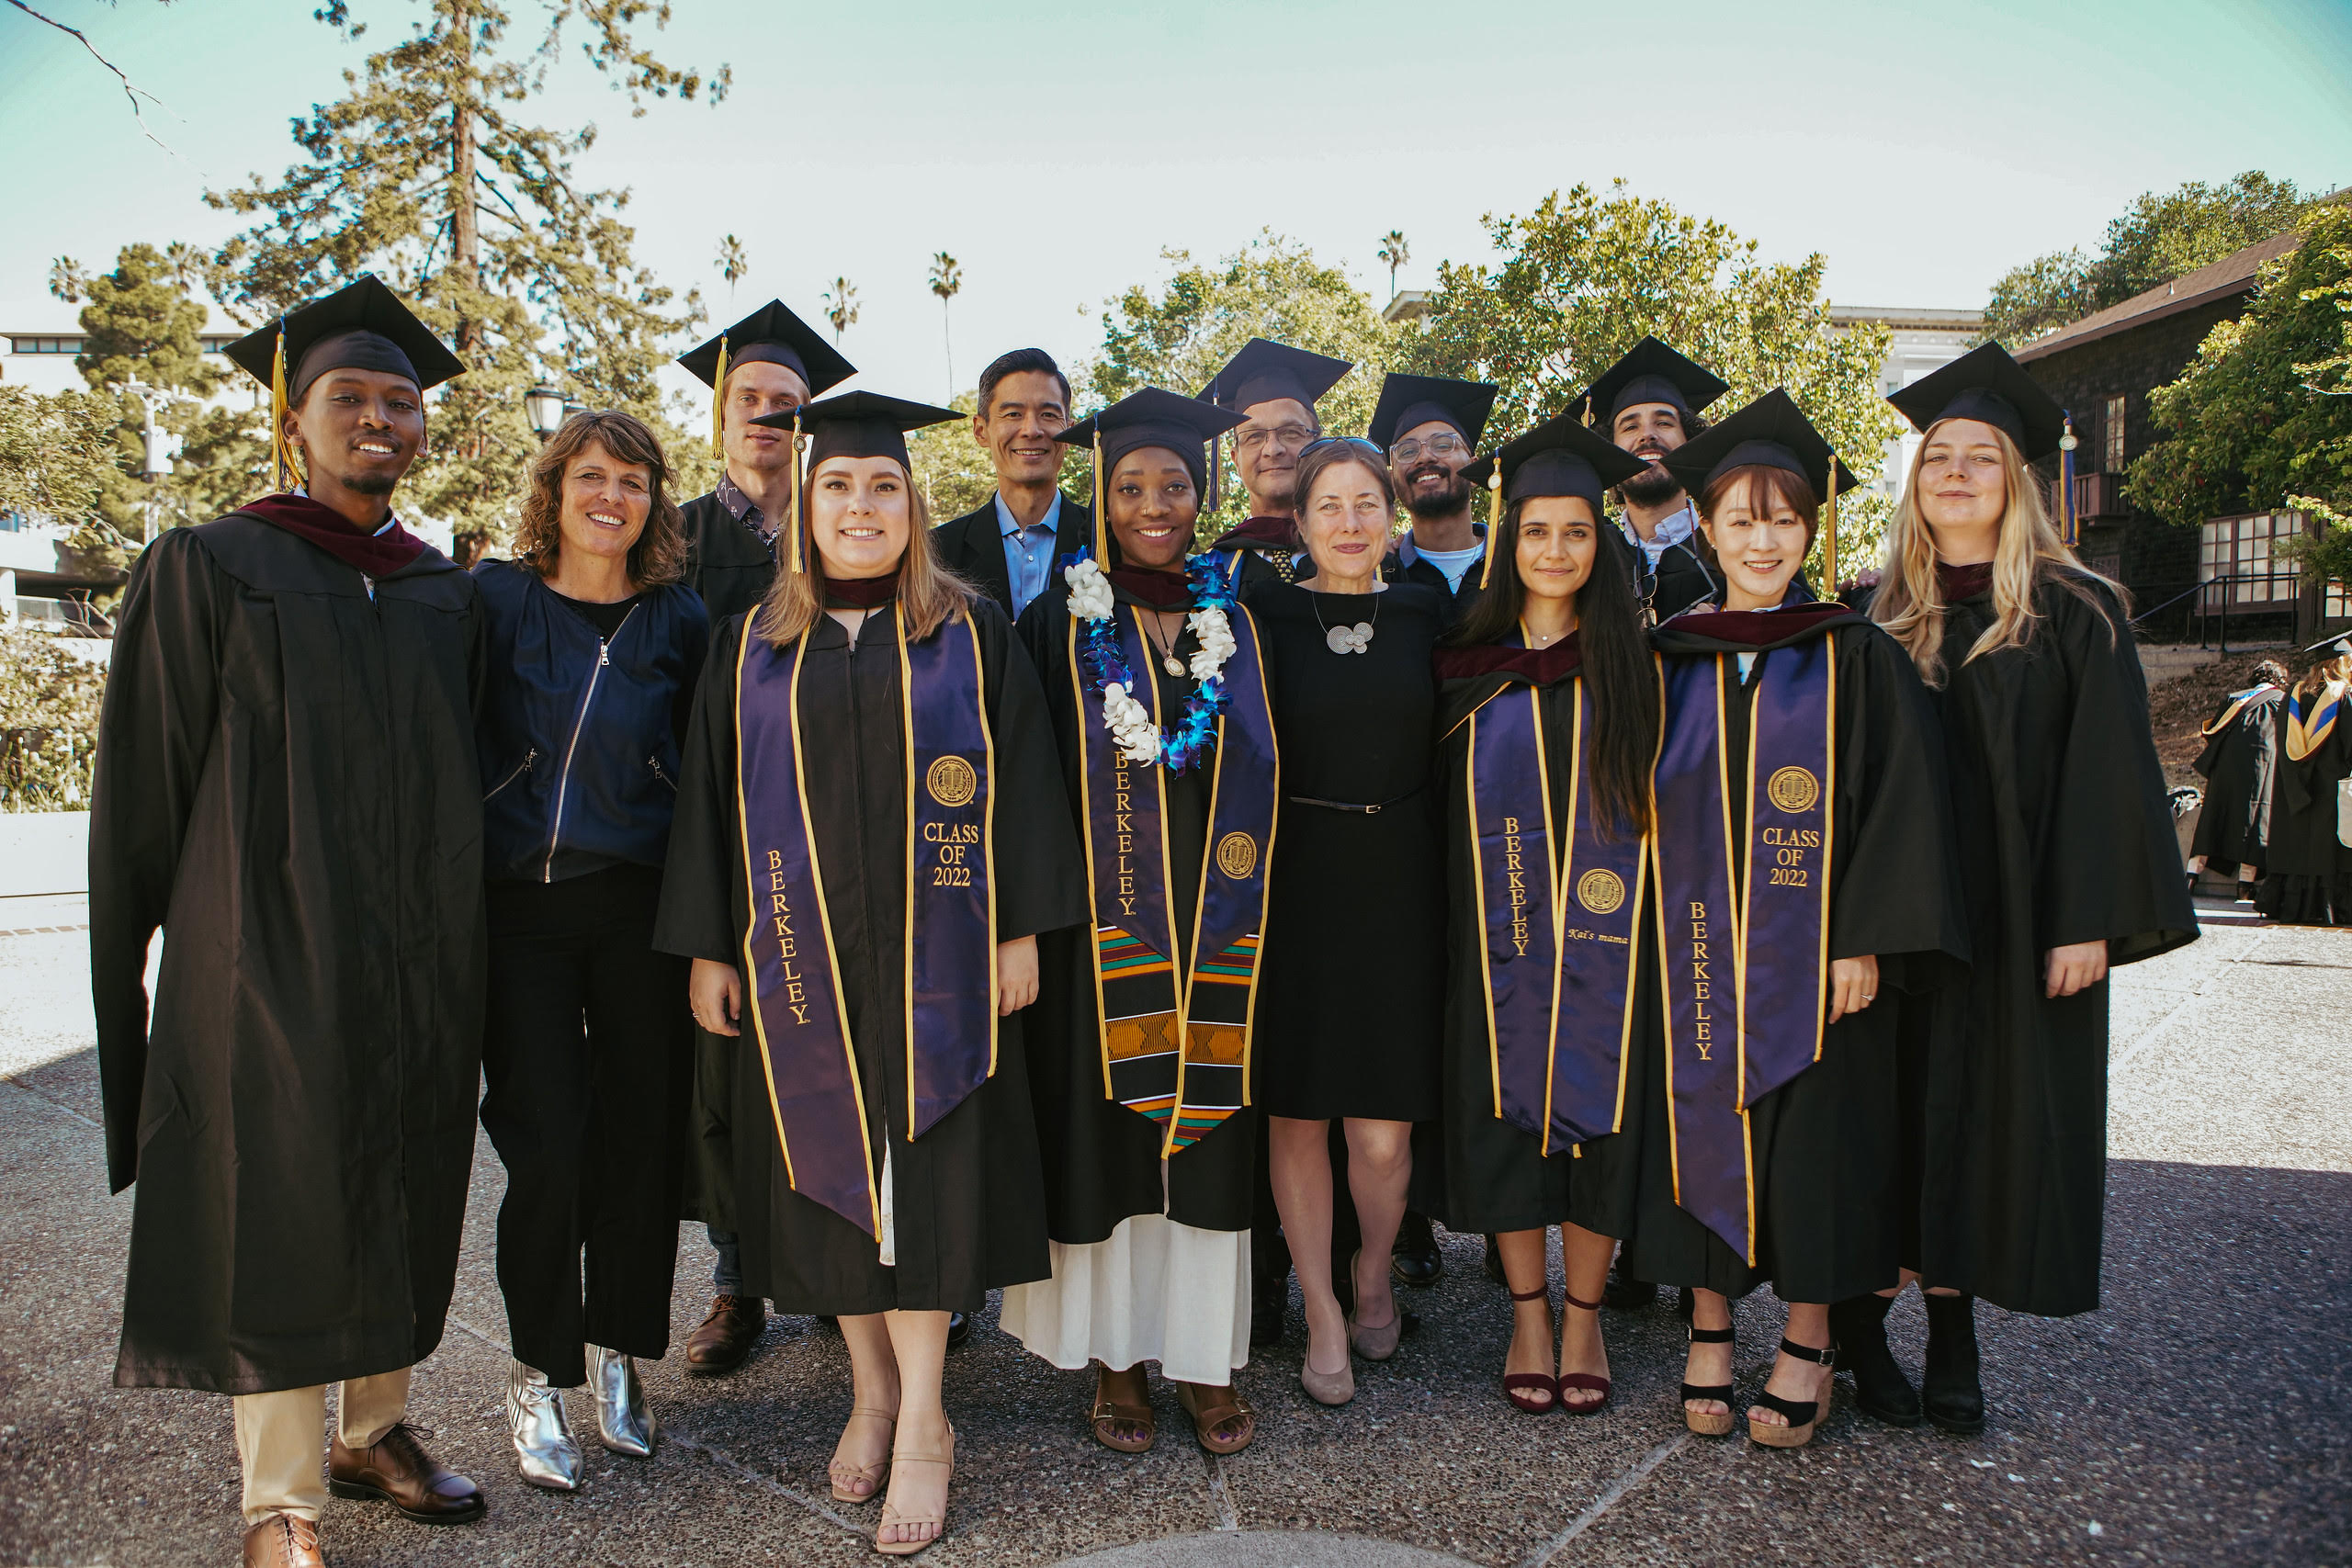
<point>1236,855</point>
<point>1792,790</point>
<point>1600,891</point>
<point>952,782</point>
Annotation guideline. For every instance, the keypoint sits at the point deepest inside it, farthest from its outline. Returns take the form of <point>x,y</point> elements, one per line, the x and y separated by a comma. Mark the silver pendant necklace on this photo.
<point>1344,639</point>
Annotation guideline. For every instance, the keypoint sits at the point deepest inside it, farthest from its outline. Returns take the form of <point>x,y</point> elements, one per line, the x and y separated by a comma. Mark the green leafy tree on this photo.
<point>734,265</point>
<point>68,279</point>
<point>49,722</point>
<point>951,469</point>
<point>427,172</point>
<point>2262,417</point>
<point>1586,276</point>
<point>56,451</point>
<point>947,281</point>
<point>2156,240</point>
<point>1181,335</point>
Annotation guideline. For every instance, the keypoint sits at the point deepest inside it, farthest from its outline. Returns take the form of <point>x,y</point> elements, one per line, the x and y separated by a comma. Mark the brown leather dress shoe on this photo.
<point>284,1541</point>
<point>398,1470</point>
<point>726,1335</point>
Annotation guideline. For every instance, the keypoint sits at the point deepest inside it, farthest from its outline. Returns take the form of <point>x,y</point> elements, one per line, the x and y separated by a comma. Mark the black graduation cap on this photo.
<point>1266,371</point>
<point>773,334</point>
<point>1772,431</point>
<point>361,326</point>
<point>1409,401</point>
<point>1153,417</point>
<point>1987,383</point>
<point>1559,457</point>
<point>1652,373</point>
<point>2335,646</point>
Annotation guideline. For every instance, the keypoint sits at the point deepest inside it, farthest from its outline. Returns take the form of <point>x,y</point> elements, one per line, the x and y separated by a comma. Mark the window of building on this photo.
<point>2114,434</point>
<point>2243,549</point>
<point>45,344</point>
<point>2336,603</point>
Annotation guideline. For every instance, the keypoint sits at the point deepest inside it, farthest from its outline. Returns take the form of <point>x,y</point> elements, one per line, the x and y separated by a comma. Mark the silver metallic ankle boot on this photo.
<point>623,1421</point>
<point>543,1445</point>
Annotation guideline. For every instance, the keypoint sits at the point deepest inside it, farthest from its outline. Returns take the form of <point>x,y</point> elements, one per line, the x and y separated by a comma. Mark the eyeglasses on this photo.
<point>1358,442</point>
<point>1436,447</point>
<point>1251,437</point>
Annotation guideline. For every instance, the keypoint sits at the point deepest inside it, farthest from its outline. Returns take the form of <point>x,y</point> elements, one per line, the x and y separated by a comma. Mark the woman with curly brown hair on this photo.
<point>595,649</point>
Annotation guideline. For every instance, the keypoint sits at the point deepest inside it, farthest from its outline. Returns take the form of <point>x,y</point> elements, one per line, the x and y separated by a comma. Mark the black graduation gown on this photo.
<point>2064,836</point>
<point>730,569</point>
<point>2310,880</point>
<point>287,784</point>
<point>968,1197</point>
<point>1681,579</point>
<point>1458,600</point>
<point>1102,1160</point>
<point>1352,988</point>
<point>2238,765</point>
<point>1497,1177</point>
<point>1831,1210</point>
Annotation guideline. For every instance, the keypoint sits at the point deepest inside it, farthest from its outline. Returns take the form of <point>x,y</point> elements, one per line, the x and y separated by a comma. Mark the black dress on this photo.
<point>1830,1210</point>
<point>2064,836</point>
<point>2239,766</point>
<point>2310,880</point>
<point>1497,1177</point>
<point>968,1196</point>
<point>1348,1009</point>
<point>1102,1159</point>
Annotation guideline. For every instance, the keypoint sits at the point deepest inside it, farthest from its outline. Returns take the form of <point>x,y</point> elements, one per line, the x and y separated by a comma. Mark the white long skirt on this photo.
<point>1155,1291</point>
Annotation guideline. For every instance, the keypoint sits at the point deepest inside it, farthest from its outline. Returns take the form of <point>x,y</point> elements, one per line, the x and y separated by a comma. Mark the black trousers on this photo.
<point>589,1057</point>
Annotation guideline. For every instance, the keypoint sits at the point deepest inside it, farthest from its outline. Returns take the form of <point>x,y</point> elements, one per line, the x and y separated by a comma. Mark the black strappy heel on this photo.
<point>1706,1424</point>
<point>1518,1386</point>
<point>1802,1414</point>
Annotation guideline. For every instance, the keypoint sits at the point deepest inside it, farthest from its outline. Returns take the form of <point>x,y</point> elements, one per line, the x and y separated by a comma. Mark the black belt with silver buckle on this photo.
<point>1374,809</point>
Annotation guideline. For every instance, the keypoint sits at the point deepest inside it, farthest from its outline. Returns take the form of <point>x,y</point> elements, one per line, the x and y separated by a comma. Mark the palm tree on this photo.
<point>185,264</point>
<point>733,265</point>
<point>841,307</point>
<point>68,279</point>
<point>1395,253</point>
<point>947,281</point>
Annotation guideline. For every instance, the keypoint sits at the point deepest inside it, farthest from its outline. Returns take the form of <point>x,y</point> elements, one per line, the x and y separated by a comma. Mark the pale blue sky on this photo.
<point>1923,149</point>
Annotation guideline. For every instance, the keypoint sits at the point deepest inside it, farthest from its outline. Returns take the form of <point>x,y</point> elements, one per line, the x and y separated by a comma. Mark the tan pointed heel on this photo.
<point>840,1470</point>
<point>890,1516</point>
<point>1802,1414</point>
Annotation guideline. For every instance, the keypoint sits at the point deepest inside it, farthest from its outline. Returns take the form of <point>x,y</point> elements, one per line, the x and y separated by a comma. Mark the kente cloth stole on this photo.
<point>1746,977</point>
<point>1561,939</point>
<point>2307,734</point>
<point>797,1012</point>
<point>1177,1051</point>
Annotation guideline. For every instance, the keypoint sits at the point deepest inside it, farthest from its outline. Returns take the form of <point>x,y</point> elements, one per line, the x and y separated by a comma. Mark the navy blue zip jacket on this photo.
<point>578,736</point>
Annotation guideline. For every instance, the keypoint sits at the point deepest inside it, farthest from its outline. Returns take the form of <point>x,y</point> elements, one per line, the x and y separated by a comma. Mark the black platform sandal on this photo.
<point>1704,1422</point>
<point>1952,1391</point>
<point>1858,1327</point>
<point>1802,1414</point>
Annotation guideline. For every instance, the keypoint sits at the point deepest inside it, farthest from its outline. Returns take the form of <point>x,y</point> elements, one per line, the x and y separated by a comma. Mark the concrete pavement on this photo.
<point>2204,1414</point>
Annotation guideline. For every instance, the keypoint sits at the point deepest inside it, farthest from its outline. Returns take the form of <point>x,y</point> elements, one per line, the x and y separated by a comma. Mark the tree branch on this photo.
<point>130,89</point>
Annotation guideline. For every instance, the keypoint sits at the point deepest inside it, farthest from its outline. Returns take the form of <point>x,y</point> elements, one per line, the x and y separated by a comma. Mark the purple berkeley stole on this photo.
<point>1177,1053</point>
<point>1561,939</point>
<point>796,1010</point>
<point>1745,979</point>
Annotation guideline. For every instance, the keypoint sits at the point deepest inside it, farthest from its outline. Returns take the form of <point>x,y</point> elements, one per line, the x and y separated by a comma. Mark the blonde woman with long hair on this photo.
<point>870,833</point>
<point>2070,867</point>
<point>2308,879</point>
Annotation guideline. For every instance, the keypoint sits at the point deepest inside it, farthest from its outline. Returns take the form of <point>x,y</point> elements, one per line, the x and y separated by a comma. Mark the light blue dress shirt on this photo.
<point>1028,552</point>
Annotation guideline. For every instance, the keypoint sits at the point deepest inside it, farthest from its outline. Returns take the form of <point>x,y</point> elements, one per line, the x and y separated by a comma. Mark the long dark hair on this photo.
<point>1616,665</point>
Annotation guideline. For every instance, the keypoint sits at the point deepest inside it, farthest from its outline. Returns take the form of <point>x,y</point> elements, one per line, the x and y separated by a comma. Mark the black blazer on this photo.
<point>972,545</point>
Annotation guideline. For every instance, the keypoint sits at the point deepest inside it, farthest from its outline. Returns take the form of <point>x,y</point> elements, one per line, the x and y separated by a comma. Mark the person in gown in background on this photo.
<point>1649,402</point>
<point>2310,881</point>
<point>1274,388</point>
<point>869,838</point>
<point>2069,865</point>
<point>1430,426</point>
<point>1805,869</point>
<point>770,362</point>
<point>1139,1043</point>
<point>1548,708</point>
<point>1348,1019</point>
<point>2240,767</point>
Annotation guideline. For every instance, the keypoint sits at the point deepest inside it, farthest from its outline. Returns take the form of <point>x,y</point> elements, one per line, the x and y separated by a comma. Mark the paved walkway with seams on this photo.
<point>2204,1414</point>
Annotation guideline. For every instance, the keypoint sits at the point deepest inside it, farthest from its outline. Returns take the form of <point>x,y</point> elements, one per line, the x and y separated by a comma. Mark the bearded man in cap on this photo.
<point>287,788</point>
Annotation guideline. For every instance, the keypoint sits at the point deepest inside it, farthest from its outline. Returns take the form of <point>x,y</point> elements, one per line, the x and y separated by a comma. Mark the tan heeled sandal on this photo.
<point>841,1470</point>
<point>891,1516</point>
<point>1802,1414</point>
<point>1707,1423</point>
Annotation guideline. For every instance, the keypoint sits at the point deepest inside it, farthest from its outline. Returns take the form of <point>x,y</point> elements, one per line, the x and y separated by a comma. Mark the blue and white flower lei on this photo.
<point>1104,658</point>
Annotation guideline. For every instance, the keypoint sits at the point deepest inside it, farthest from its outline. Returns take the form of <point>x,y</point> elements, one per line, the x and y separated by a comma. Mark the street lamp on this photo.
<point>544,406</point>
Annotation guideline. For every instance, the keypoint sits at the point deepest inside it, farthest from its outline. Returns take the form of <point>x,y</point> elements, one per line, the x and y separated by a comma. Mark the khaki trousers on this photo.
<point>278,1439</point>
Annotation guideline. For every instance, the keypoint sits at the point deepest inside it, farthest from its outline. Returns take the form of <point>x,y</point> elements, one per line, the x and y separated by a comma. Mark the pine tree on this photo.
<point>425,172</point>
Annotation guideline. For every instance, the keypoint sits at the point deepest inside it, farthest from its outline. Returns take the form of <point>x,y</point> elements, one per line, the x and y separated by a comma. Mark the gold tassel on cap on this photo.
<point>1494,523</point>
<point>719,401</point>
<point>792,507</point>
<point>1101,519</point>
<point>288,474</point>
<point>1829,533</point>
